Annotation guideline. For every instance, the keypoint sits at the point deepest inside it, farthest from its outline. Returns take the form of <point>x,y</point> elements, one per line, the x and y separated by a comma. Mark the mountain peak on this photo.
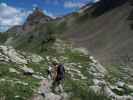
<point>38,12</point>
<point>36,16</point>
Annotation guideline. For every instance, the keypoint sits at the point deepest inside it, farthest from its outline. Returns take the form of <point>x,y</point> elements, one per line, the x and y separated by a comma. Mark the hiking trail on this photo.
<point>44,92</point>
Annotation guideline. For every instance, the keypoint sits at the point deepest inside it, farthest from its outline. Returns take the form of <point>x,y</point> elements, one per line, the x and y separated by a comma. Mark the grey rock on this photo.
<point>27,71</point>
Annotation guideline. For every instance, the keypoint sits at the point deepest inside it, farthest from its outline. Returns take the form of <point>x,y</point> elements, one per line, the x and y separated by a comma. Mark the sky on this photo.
<point>15,12</point>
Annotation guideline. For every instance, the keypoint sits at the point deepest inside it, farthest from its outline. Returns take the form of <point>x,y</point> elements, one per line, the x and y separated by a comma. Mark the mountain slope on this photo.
<point>85,78</point>
<point>23,72</point>
<point>105,29</point>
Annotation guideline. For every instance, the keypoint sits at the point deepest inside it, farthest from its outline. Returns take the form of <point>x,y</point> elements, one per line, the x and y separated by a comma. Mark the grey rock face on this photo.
<point>9,54</point>
<point>103,87</point>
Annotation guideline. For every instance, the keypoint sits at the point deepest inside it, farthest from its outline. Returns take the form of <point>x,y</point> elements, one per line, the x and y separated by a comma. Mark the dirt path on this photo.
<point>44,92</point>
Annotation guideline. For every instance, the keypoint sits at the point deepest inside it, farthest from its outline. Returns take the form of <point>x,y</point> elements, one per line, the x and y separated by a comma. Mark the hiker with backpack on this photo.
<point>58,75</point>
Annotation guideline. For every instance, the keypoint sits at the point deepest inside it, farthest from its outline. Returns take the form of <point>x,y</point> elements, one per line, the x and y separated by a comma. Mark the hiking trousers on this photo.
<point>58,84</point>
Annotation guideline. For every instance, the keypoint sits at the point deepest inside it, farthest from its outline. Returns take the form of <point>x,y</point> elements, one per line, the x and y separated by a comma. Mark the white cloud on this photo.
<point>70,4</point>
<point>10,16</point>
<point>96,0</point>
<point>49,14</point>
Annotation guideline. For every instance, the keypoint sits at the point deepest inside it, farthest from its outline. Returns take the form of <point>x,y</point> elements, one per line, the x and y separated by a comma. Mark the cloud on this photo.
<point>49,14</point>
<point>10,16</point>
<point>96,0</point>
<point>71,4</point>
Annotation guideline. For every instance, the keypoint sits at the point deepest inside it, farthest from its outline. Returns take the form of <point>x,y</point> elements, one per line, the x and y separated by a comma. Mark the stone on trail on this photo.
<point>27,71</point>
<point>52,96</point>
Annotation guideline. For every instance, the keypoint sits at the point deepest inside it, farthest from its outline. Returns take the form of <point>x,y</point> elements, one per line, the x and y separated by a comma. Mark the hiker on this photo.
<point>58,74</point>
<point>52,70</point>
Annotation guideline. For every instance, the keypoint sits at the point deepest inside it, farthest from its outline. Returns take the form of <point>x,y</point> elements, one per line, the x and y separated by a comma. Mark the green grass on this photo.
<point>3,37</point>
<point>115,73</point>
<point>39,67</point>
<point>81,91</point>
<point>76,57</point>
<point>10,90</point>
<point>11,86</point>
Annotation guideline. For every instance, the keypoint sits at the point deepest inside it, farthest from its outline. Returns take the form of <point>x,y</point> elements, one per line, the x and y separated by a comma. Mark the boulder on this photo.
<point>27,71</point>
<point>35,58</point>
<point>120,84</point>
<point>12,70</point>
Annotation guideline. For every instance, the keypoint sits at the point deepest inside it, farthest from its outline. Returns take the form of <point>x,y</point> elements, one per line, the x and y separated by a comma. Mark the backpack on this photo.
<point>61,72</point>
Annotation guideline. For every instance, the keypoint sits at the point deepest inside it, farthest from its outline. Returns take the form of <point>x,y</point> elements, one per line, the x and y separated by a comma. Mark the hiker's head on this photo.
<point>54,63</point>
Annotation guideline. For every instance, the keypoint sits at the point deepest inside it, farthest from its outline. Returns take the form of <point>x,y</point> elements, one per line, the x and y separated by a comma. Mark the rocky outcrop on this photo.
<point>9,54</point>
<point>34,58</point>
<point>36,18</point>
<point>103,87</point>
